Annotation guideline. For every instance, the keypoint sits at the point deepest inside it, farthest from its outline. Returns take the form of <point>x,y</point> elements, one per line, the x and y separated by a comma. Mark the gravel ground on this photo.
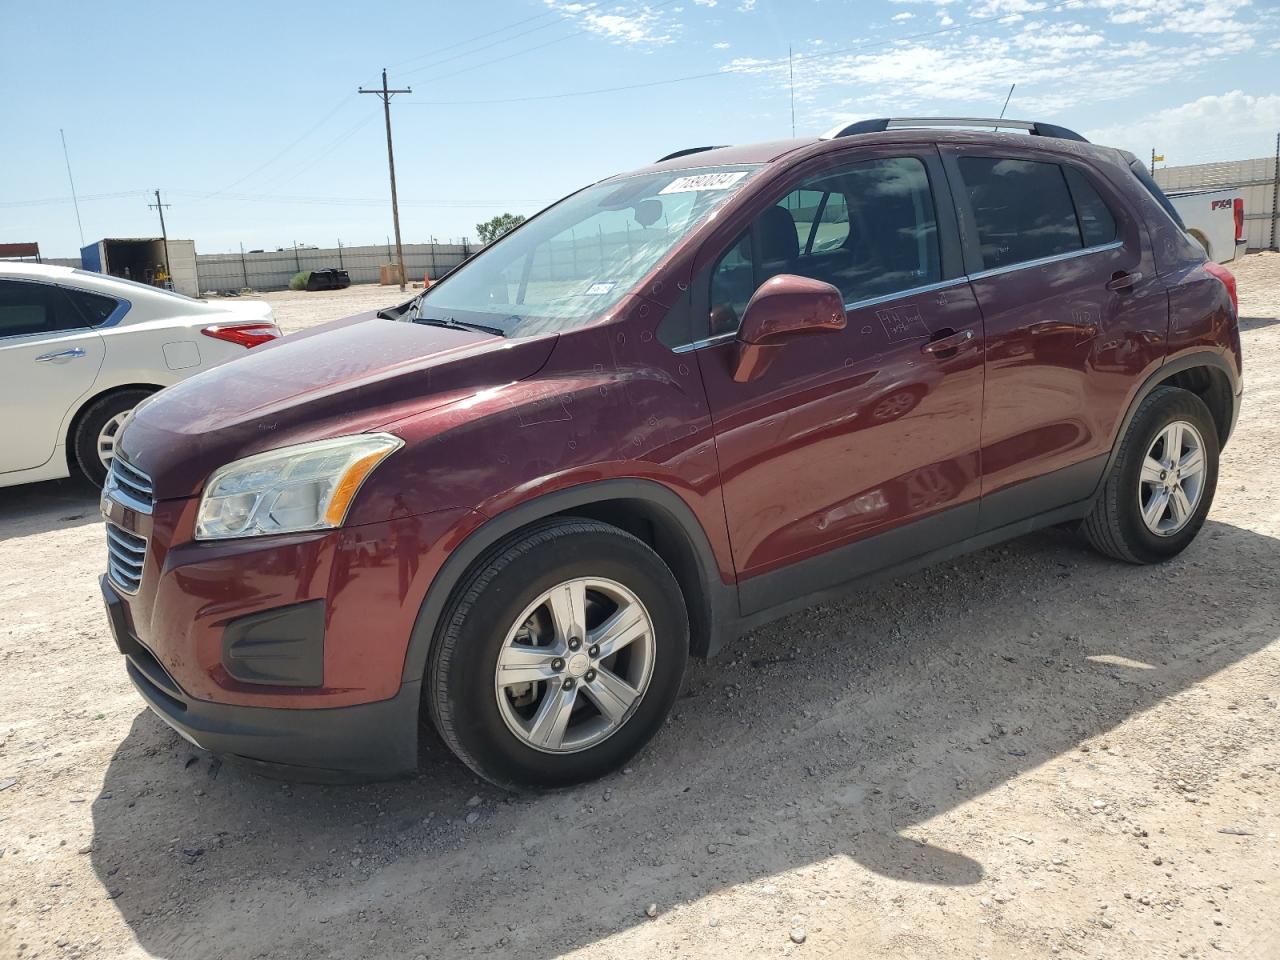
<point>1029,752</point>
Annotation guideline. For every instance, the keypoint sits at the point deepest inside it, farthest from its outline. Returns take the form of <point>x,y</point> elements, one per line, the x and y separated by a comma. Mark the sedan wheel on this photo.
<point>107,437</point>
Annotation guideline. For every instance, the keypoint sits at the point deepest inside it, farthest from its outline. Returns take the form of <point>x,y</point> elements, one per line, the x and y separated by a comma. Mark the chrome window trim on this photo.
<point>1042,261</point>
<point>855,305</point>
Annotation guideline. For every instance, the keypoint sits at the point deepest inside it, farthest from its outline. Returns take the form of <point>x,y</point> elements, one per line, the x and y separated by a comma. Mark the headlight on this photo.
<point>304,487</point>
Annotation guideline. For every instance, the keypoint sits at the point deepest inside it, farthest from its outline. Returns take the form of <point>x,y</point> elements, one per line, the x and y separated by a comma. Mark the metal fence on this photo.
<point>1259,181</point>
<point>272,270</point>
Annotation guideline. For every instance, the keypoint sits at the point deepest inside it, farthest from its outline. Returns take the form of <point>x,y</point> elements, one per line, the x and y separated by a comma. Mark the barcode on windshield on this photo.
<point>703,181</point>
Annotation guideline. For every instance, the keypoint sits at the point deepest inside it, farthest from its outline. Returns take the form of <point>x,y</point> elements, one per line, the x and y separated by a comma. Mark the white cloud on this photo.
<point>900,17</point>
<point>722,45</point>
<point>1186,134</point>
<point>746,6</point>
<point>704,3</point>
<point>624,23</point>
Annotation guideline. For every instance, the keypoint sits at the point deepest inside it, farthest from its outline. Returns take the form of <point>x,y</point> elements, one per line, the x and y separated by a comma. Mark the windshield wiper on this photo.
<point>460,325</point>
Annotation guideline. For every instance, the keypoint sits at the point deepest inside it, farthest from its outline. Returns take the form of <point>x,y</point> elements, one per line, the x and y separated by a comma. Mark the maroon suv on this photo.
<point>675,405</point>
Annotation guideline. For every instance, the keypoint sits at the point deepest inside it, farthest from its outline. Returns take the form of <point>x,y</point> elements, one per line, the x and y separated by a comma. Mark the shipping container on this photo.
<point>143,259</point>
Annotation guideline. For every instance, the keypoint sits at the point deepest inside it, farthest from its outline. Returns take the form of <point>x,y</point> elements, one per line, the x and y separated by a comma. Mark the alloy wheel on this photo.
<point>575,665</point>
<point>1172,478</point>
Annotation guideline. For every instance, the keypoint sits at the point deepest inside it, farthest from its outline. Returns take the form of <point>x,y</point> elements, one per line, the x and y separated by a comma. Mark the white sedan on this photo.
<point>79,350</point>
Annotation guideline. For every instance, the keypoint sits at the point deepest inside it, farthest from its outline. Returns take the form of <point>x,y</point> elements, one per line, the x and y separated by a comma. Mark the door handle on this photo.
<point>61,355</point>
<point>948,343</point>
<point>1123,280</point>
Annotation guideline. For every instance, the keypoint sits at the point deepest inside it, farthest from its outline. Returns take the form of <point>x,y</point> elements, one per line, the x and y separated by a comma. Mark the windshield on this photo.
<point>581,256</point>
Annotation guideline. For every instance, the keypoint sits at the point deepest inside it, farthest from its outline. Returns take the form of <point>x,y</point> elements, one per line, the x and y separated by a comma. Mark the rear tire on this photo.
<point>560,656</point>
<point>97,428</point>
<point>1155,500</point>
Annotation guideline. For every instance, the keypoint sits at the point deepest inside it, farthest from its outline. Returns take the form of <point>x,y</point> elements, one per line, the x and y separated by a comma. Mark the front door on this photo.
<point>1074,314</point>
<point>854,448</point>
<point>48,360</point>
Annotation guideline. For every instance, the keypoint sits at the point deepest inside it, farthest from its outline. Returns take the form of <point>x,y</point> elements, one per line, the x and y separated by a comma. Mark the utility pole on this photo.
<point>164,237</point>
<point>1154,158</point>
<point>386,95</point>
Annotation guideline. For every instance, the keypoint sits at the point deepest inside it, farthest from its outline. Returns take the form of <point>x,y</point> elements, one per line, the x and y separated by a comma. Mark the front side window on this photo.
<point>1022,209</point>
<point>580,257</point>
<point>27,308</point>
<point>869,229</point>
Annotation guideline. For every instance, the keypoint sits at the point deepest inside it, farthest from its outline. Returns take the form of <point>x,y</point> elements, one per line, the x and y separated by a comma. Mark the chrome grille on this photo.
<point>129,485</point>
<point>125,554</point>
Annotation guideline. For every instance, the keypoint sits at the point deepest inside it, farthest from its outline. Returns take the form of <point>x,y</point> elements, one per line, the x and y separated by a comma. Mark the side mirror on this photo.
<point>783,307</point>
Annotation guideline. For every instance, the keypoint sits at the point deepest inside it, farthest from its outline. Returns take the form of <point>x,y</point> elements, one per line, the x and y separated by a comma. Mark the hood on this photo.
<point>345,377</point>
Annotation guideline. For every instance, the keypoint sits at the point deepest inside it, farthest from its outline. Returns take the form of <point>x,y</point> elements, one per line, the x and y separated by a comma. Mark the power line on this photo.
<point>479,36</point>
<point>293,143</point>
<point>754,67</point>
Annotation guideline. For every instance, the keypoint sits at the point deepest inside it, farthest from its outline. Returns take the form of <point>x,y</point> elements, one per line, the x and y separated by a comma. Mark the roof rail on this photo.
<point>881,124</point>
<point>689,150</point>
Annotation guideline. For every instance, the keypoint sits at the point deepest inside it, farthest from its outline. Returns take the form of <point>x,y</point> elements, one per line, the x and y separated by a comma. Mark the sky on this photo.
<point>246,117</point>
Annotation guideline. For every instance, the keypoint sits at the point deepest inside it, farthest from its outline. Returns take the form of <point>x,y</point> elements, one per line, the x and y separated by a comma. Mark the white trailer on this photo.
<point>143,259</point>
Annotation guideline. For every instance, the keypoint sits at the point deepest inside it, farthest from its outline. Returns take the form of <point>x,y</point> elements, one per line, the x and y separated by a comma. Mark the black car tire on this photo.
<point>460,680</point>
<point>1115,526</point>
<point>84,438</point>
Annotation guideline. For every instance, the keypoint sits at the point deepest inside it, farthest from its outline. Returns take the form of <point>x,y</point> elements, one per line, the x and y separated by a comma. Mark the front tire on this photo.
<point>93,442</point>
<point>1160,488</point>
<point>560,657</point>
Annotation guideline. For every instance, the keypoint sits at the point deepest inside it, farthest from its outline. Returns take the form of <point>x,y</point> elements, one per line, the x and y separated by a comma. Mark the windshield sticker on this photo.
<point>703,181</point>
<point>599,289</point>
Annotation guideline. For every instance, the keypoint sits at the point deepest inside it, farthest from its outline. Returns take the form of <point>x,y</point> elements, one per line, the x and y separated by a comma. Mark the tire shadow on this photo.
<point>839,731</point>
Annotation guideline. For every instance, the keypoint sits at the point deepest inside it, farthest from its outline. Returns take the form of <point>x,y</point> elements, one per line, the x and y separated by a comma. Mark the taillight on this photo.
<point>1238,208</point>
<point>246,335</point>
<point>1228,280</point>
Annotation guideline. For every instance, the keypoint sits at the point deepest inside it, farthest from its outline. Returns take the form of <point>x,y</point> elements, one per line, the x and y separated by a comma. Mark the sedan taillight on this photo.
<point>246,335</point>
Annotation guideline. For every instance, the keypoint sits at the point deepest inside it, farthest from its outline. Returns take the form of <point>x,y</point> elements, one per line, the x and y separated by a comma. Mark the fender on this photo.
<point>1200,358</point>
<point>711,613</point>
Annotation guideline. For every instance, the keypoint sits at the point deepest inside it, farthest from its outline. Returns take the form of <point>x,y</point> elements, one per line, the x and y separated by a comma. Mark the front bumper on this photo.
<point>365,741</point>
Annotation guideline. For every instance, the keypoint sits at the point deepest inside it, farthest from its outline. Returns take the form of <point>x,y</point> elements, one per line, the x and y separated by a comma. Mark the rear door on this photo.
<point>49,358</point>
<point>1074,315</point>
<point>858,447</point>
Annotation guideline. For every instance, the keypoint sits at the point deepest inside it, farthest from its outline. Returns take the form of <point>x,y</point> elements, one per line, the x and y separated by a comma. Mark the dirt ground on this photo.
<point>1029,752</point>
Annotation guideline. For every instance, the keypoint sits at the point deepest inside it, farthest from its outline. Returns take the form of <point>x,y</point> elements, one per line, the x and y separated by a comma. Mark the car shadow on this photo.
<point>1257,323</point>
<point>840,731</point>
<point>34,508</point>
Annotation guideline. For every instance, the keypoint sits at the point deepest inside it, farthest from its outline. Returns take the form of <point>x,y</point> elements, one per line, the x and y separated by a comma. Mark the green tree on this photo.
<point>491,230</point>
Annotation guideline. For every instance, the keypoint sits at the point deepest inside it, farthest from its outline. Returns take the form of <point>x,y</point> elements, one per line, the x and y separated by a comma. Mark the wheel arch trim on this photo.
<point>711,613</point>
<point>1157,378</point>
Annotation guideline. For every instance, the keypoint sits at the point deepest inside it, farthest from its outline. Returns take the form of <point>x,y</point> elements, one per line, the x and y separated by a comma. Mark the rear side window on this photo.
<point>27,308</point>
<point>1097,225</point>
<point>95,308</point>
<point>1023,209</point>
<point>1153,188</point>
